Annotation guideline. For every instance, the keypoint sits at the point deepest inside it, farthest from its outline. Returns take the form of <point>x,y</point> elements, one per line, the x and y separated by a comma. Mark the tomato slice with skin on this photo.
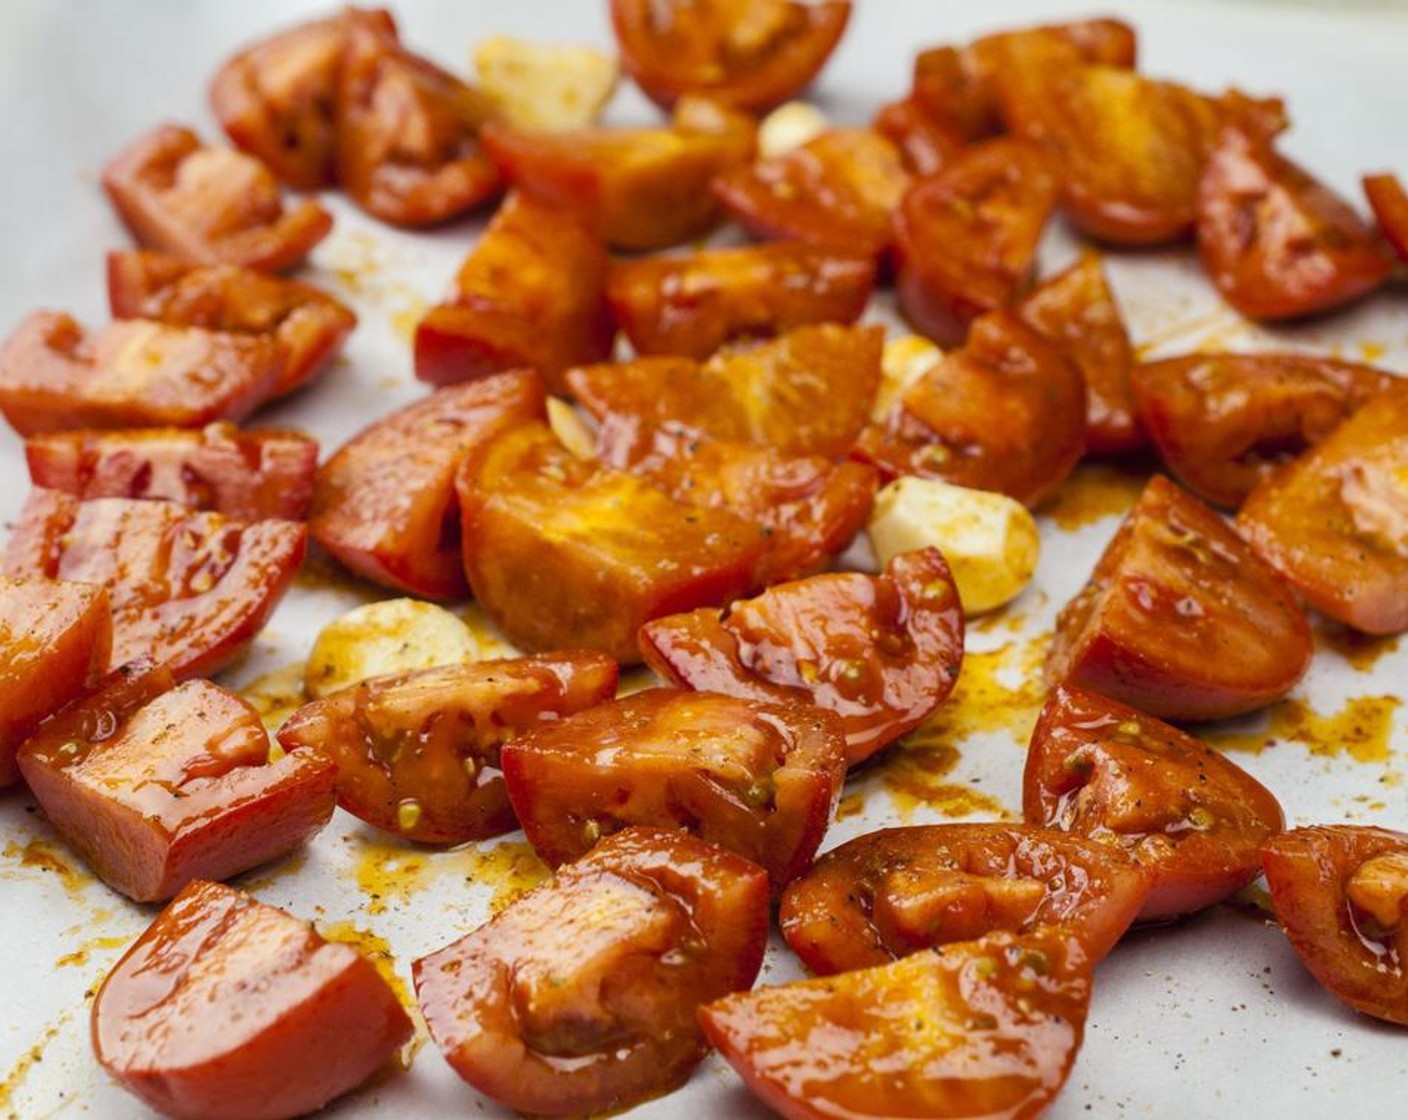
<point>1276,242</point>
<point>1389,202</point>
<point>1180,618</point>
<point>384,505</point>
<point>977,1028</point>
<point>1191,817</point>
<point>926,143</point>
<point>580,996</point>
<point>417,754</point>
<point>1335,522</point>
<point>156,786</point>
<point>1224,422</point>
<point>882,652</point>
<point>887,894</point>
<point>221,1010</point>
<point>1339,892</point>
<point>749,54</point>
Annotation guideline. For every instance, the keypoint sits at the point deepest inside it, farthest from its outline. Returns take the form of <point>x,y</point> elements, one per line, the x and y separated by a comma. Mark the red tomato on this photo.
<point>758,778</point>
<point>740,52</point>
<point>1077,311</point>
<point>155,788</point>
<point>580,997</point>
<point>1389,201</point>
<point>966,238</point>
<point>1224,422</point>
<point>418,754</point>
<point>531,293</point>
<point>882,652</point>
<point>888,894</point>
<point>926,144</point>
<point>1180,617</point>
<point>1276,242</point>
<point>209,205</point>
<point>221,1011</point>
<point>250,476</point>
<point>1334,522</point>
<point>55,639</point>
<point>1339,891</point>
<point>407,133</point>
<point>55,375</point>
<point>693,304</point>
<point>983,1028</point>
<point>943,426</point>
<point>276,99</point>
<point>384,505</point>
<point>1194,820</point>
<point>190,590</point>
<point>568,554</point>
<point>307,323</point>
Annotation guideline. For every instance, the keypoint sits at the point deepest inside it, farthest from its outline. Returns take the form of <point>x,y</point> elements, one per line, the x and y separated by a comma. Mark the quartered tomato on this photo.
<point>384,504</point>
<point>190,590</point>
<point>882,652</point>
<point>985,1028</point>
<point>1335,522</point>
<point>888,894</point>
<point>55,640</point>
<point>753,54</point>
<point>693,304</point>
<point>580,997</point>
<point>760,778</point>
<point>1004,413</point>
<point>1276,242</point>
<point>221,1011</point>
<point>1077,311</point>
<point>55,375</point>
<point>249,476</point>
<point>966,238</point>
<point>1224,422</point>
<point>531,294</point>
<point>156,786</point>
<point>209,205</point>
<point>926,143</point>
<point>1194,820</point>
<point>1341,894</point>
<point>417,754</point>
<point>1389,201</point>
<point>1180,617</point>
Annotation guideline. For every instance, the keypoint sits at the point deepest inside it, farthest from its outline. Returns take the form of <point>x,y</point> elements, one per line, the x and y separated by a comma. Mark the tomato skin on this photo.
<point>1277,243</point>
<point>890,893</point>
<point>1389,202</point>
<point>926,144</point>
<point>413,751</point>
<point>190,590</point>
<point>693,305</point>
<point>156,786</point>
<point>580,996</point>
<point>248,476</point>
<point>1191,817</point>
<point>221,1009</point>
<point>1222,423</point>
<point>1314,876</point>
<point>985,1028</point>
<point>753,57</point>
<point>1180,618</point>
<point>55,640</point>
<point>883,652</point>
<point>1334,522</point>
<point>384,505</point>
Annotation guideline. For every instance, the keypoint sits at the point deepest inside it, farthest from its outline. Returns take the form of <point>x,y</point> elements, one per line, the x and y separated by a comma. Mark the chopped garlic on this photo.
<point>790,126</point>
<point>573,432</point>
<point>906,359</point>
<point>538,86</point>
<point>393,636</point>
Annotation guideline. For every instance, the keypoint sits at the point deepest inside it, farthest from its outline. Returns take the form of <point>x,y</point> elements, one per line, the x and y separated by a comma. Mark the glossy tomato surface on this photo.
<point>1389,201</point>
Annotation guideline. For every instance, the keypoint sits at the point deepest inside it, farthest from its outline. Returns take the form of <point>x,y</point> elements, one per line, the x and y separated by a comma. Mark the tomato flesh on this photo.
<point>1389,201</point>
<point>926,144</point>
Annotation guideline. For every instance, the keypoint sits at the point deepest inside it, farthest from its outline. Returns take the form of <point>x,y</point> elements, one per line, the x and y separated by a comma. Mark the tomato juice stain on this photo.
<point>1361,651</point>
<point>1363,729</point>
<point>46,857</point>
<point>1094,492</point>
<point>398,874</point>
<point>998,690</point>
<point>15,1078</point>
<point>277,694</point>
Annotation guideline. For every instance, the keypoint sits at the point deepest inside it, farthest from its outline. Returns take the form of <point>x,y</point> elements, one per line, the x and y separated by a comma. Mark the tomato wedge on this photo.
<point>926,143</point>
<point>1190,817</point>
<point>417,754</point>
<point>1339,893</point>
<point>982,1028</point>
<point>1180,618</point>
<point>887,894</point>
<point>1389,201</point>
<point>221,1010</point>
<point>580,997</point>
<point>882,652</point>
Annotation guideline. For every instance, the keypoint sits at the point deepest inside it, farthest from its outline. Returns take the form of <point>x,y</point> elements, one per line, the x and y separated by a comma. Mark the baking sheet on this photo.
<point>1211,1018</point>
